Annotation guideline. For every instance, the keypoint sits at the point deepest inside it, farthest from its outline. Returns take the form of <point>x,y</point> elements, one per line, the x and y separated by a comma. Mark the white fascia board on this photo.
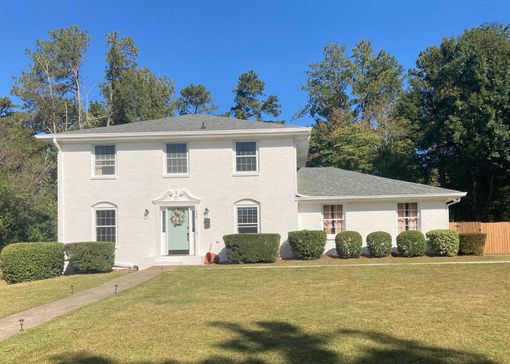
<point>382,197</point>
<point>176,134</point>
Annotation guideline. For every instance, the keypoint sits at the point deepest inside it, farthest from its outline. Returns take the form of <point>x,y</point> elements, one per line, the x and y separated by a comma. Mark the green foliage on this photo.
<point>458,104</point>
<point>443,242</point>
<point>307,244</point>
<point>252,248</point>
<point>379,244</point>
<point>195,99</point>
<point>21,262</point>
<point>348,244</point>
<point>27,184</point>
<point>411,243</point>
<point>132,93</point>
<point>247,100</point>
<point>91,257</point>
<point>472,243</point>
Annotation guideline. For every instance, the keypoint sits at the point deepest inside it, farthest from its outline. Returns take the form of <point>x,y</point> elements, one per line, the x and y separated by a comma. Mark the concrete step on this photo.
<point>179,260</point>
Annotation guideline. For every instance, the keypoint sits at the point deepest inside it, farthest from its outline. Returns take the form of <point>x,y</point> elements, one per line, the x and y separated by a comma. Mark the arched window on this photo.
<point>247,216</point>
<point>105,222</point>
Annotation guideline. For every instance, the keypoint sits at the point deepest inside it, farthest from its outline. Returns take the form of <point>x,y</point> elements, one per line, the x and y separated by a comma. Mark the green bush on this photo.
<point>379,244</point>
<point>21,262</point>
<point>91,257</point>
<point>348,244</point>
<point>443,242</point>
<point>252,248</point>
<point>411,243</point>
<point>472,243</point>
<point>307,244</point>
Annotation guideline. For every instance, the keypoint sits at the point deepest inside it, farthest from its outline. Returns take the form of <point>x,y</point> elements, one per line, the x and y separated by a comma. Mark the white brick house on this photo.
<point>166,191</point>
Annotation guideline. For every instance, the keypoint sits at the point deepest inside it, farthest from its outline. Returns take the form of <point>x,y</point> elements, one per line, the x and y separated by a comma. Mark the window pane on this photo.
<point>407,216</point>
<point>246,156</point>
<point>177,158</point>
<point>332,216</point>
<point>246,148</point>
<point>105,225</point>
<point>247,229</point>
<point>104,160</point>
<point>247,219</point>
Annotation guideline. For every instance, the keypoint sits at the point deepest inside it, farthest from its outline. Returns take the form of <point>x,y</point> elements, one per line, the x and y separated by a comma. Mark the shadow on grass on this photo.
<point>293,345</point>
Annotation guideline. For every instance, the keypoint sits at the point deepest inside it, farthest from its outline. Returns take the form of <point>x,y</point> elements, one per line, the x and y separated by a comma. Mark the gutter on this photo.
<point>60,190</point>
<point>454,201</point>
<point>455,195</point>
<point>177,134</point>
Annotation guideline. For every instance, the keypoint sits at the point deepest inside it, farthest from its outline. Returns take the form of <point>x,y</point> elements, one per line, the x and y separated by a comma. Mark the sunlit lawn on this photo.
<point>395,314</point>
<point>18,297</point>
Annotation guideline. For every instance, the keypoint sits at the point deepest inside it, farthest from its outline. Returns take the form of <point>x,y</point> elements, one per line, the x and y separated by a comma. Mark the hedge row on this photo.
<point>22,262</point>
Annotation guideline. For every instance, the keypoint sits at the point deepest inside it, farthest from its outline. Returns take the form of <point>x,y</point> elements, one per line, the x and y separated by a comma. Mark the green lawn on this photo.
<point>18,297</point>
<point>387,314</point>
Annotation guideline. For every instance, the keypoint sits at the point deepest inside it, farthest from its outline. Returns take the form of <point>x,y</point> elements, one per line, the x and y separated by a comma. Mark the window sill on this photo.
<point>103,177</point>
<point>247,174</point>
<point>177,175</point>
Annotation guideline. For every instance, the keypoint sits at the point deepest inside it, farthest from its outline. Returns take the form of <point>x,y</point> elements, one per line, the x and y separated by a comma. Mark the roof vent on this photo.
<point>203,125</point>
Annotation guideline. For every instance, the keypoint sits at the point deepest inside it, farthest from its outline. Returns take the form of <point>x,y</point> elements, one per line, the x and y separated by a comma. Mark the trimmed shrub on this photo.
<point>348,244</point>
<point>91,257</point>
<point>21,262</point>
<point>252,247</point>
<point>472,243</point>
<point>411,243</point>
<point>307,244</point>
<point>443,242</point>
<point>379,244</point>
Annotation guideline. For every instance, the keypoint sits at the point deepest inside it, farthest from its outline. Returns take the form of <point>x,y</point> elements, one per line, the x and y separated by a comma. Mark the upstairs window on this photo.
<point>177,158</point>
<point>104,160</point>
<point>332,219</point>
<point>407,216</point>
<point>106,225</point>
<point>247,219</point>
<point>246,157</point>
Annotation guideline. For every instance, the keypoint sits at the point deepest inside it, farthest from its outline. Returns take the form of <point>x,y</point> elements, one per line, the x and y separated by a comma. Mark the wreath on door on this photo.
<point>177,217</point>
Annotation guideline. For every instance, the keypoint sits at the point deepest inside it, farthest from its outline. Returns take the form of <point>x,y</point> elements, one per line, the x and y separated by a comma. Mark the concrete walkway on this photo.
<point>38,315</point>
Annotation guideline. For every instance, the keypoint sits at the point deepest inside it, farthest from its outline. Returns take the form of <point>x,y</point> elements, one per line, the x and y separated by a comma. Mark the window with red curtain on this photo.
<point>407,216</point>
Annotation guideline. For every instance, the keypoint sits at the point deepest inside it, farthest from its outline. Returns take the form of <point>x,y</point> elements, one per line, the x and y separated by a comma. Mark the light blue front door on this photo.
<point>177,233</point>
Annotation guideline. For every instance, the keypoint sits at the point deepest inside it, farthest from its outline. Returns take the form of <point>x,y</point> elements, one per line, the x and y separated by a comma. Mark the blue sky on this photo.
<point>213,42</point>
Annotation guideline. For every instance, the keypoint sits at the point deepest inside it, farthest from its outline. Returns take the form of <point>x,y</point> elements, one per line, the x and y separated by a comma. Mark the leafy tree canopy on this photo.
<point>195,99</point>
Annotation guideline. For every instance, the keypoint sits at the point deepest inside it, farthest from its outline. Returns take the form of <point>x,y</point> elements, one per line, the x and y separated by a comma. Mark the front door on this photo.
<point>177,234</point>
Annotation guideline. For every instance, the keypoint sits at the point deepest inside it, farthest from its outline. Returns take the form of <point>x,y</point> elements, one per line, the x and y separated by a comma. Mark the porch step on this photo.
<point>180,260</point>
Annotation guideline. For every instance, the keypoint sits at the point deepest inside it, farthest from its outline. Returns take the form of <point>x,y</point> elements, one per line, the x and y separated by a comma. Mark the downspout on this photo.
<point>60,190</point>
<point>448,204</point>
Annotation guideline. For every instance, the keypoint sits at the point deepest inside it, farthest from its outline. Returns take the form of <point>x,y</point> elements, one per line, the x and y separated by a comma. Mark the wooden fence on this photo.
<point>498,234</point>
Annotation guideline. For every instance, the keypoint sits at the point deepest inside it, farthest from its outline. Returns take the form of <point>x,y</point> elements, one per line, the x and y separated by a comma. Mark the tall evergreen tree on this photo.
<point>51,88</point>
<point>195,99</point>
<point>248,98</point>
<point>132,93</point>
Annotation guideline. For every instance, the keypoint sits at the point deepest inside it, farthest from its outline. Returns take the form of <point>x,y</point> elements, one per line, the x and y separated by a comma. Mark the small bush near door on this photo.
<point>472,243</point>
<point>91,257</point>
<point>379,244</point>
<point>411,243</point>
<point>348,244</point>
<point>443,242</point>
<point>252,248</point>
<point>307,244</point>
<point>21,262</point>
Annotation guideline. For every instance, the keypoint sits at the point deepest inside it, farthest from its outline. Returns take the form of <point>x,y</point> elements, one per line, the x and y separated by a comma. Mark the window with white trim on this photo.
<point>332,219</point>
<point>247,219</point>
<point>246,157</point>
<point>407,216</point>
<point>104,160</point>
<point>106,225</point>
<point>177,158</point>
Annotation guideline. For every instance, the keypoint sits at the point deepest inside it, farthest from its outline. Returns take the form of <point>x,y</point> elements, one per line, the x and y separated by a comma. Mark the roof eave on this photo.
<point>175,134</point>
<point>420,196</point>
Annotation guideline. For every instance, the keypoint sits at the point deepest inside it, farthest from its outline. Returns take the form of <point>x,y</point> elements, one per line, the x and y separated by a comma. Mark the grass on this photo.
<point>386,314</point>
<point>18,297</point>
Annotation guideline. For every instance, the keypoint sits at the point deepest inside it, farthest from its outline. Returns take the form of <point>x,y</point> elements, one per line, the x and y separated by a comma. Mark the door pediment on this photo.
<point>176,198</point>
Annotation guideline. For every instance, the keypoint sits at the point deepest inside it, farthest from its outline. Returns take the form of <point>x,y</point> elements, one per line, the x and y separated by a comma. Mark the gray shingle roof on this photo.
<point>336,182</point>
<point>182,123</point>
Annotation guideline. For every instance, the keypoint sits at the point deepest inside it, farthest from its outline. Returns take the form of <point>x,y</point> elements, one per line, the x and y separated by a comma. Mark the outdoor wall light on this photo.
<point>146,213</point>
<point>206,211</point>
